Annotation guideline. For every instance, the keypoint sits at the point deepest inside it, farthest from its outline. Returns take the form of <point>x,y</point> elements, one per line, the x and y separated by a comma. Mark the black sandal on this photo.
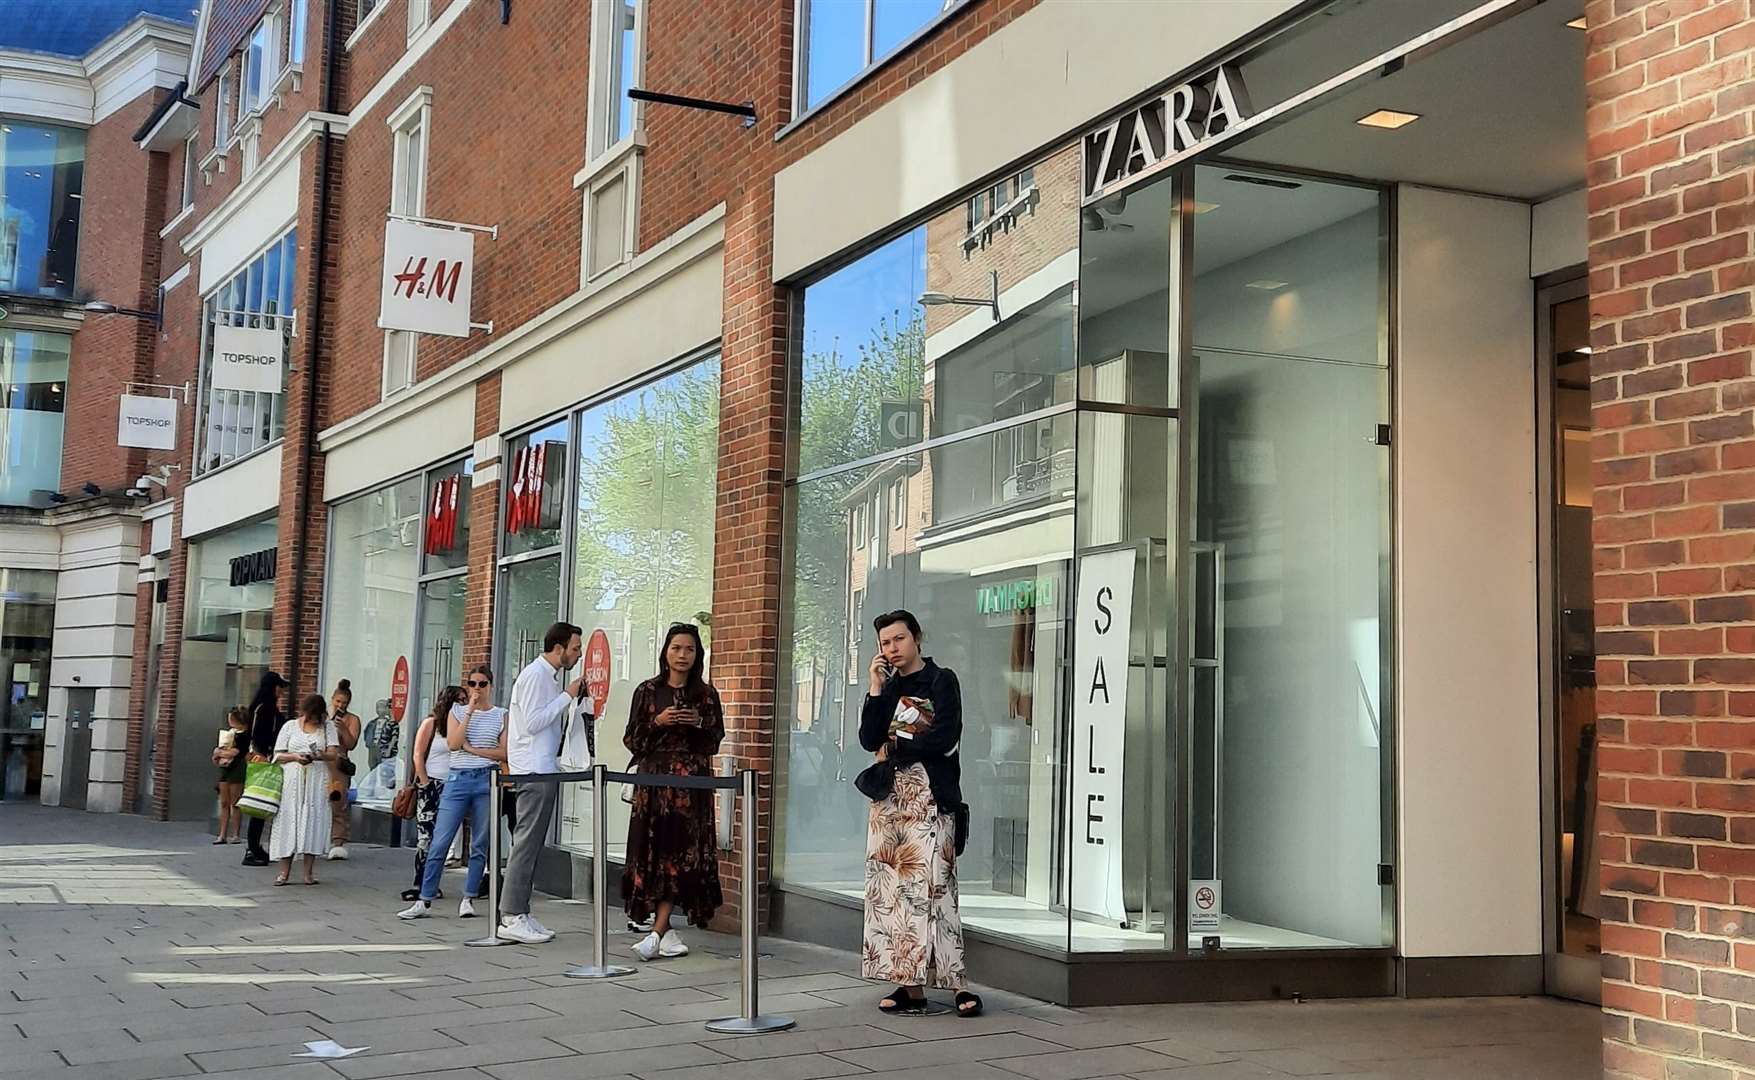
<point>899,1002</point>
<point>964,997</point>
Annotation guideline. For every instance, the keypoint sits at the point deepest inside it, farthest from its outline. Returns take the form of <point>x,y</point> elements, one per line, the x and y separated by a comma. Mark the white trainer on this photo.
<point>338,853</point>
<point>647,949</point>
<point>466,909</point>
<point>517,928</point>
<point>420,909</point>
<point>671,946</point>
<point>539,928</point>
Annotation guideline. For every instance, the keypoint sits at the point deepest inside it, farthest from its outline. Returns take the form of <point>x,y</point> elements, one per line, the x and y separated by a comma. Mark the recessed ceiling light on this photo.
<point>1266,284</point>
<point>1388,119</point>
<point>1585,349</point>
<point>1577,24</point>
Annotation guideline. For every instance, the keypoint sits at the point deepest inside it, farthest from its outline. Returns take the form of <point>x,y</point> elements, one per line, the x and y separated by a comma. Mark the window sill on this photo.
<point>239,460</point>
<point>172,225</point>
<point>214,162</point>
<point>365,24</point>
<point>871,69</point>
<point>611,159</point>
<point>291,81</point>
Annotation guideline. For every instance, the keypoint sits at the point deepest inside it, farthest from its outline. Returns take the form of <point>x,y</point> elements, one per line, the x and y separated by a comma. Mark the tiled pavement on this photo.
<point>133,951</point>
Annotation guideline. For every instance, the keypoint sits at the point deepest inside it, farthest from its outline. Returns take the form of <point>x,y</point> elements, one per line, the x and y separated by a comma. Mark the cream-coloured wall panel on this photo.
<point>264,214</point>
<point>1559,233</point>
<point>1054,70</point>
<point>238,492</point>
<point>676,315</point>
<point>409,442</point>
<point>1468,708</point>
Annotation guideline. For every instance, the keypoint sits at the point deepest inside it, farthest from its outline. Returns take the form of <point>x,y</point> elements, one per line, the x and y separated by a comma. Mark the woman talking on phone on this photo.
<point>675,726</point>
<point>476,735</point>
<point>912,721</point>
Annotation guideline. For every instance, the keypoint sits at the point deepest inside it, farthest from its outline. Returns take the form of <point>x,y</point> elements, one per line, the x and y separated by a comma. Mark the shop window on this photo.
<point>27,631</point>
<point>533,485</point>
<point>189,171</point>
<point>642,546</point>
<point>33,376</point>
<point>237,423</point>
<point>42,172</point>
<point>841,39</point>
<point>410,124</point>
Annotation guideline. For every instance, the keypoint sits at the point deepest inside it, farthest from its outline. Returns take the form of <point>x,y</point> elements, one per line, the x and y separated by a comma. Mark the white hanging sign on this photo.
<point>1100,674</point>
<point>248,358</point>
<point>427,279</point>
<point>147,422</point>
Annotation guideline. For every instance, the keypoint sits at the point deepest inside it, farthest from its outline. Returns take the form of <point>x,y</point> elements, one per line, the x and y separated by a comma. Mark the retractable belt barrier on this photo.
<point>749,1021</point>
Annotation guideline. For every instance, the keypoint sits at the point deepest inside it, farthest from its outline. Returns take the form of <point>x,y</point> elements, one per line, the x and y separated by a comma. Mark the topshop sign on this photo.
<point>248,358</point>
<point>1157,134</point>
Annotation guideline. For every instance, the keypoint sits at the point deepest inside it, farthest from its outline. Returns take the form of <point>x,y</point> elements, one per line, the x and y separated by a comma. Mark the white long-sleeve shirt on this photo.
<point>536,717</point>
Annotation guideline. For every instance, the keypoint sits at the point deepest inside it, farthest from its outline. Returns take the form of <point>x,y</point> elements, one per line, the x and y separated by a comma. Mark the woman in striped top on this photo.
<point>477,738</point>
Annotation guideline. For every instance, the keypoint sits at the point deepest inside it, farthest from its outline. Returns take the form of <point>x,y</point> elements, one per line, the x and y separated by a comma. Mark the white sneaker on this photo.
<point>338,853</point>
<point>647,949</point>
<point>519,928</point>
<point>671,946</point>
<point>539,928</point>
<point>466,909</point>
<point>420,909</point>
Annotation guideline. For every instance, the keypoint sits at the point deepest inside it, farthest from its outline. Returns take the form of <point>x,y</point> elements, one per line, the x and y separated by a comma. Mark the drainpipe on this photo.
<point>313,327</point>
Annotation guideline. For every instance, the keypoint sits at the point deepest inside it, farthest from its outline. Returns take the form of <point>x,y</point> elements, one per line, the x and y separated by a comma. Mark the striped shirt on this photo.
<point>484,730</point>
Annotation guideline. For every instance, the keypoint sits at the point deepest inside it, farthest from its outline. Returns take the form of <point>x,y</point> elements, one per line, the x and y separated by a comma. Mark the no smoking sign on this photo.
<point>1204,906</point>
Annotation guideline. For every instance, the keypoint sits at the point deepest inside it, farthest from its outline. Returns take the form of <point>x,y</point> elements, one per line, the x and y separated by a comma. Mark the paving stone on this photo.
<point>943,1051</point>
<point>629,1062</point>
<point>425,1061</point>
<point>1079,1064</point>
<point>801,1042</point>
<point>797,1067</point>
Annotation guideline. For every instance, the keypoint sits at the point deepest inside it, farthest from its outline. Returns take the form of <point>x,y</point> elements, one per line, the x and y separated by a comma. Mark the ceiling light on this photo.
<point>1205,207</point>
<point>1266,284</point>
<point>1263,181</point>
<point>1577,24</point>
<point>1585,349</point>
<point>1388,119</point>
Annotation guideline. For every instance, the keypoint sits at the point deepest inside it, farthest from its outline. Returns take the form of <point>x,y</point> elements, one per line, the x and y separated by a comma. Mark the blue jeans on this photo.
<point>466,792</point>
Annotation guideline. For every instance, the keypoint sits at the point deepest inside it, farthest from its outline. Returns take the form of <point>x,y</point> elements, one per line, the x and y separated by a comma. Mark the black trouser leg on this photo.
<point>254,832</point>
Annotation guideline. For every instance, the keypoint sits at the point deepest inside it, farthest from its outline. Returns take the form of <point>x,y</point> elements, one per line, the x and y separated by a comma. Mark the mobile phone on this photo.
<point>888,669</point>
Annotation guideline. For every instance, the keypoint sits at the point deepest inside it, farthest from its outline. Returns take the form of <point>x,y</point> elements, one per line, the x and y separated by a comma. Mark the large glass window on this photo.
<point>42,174</point>
<point>642,544</point>
<point>235,423</point>
<point>33,377</point>
<point>844,37</point>
<point>974,533</point>
<point>625,62</point>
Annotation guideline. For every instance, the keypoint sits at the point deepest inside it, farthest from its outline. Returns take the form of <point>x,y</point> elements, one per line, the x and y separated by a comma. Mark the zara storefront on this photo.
<point>1203,445</point>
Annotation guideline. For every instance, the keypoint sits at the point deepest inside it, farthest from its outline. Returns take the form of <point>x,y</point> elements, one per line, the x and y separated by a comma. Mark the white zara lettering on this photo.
<point>1165,129</point>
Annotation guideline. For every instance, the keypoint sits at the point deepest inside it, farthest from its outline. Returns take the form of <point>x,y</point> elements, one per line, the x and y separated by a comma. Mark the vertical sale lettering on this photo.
<point>1100,677</point>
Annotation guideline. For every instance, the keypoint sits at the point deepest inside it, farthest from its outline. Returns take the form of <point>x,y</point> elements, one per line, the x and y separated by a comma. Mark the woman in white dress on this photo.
<point>303,751</point>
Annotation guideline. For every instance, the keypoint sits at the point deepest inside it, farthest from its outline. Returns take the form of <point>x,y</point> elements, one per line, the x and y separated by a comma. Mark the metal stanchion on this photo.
<point>600,967</point>
<point>750,1021</point>
<point>493,868</point>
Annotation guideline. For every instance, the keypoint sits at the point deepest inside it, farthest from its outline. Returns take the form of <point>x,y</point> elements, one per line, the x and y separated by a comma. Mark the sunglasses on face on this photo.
<point>479,684</point>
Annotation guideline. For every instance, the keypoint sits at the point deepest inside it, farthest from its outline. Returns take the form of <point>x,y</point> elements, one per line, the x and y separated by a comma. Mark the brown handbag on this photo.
<point>403,804</point>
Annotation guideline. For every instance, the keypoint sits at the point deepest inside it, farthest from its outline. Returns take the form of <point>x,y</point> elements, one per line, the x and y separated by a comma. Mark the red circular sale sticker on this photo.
<point>399,688</point>
<point>597,666</point>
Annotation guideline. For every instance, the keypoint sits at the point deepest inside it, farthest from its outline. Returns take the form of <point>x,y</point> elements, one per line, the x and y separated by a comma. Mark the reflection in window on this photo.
<point>42,172</point>
<point>624,63</point>
<point>27,630</point>
<point>643,543</point>
<point>235,423</point>
<point>847,36</point>
<point>33,377</point>
<point>535,467</point>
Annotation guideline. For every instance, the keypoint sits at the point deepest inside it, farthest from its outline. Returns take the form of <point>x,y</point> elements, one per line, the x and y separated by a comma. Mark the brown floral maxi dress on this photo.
<point>672,842</point>
<point>913,933</point>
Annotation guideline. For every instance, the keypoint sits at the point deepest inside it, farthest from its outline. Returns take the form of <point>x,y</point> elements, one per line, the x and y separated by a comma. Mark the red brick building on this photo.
<point>1383,356</point>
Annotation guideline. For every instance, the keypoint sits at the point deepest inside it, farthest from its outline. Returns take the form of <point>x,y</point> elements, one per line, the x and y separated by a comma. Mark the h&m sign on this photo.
<point>428,279</point>
<point>254,567</point>
<point>1164,130</point>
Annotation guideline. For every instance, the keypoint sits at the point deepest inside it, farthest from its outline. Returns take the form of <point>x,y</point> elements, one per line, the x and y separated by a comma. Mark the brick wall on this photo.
<point>1671,154</point>
<point>484,523</point>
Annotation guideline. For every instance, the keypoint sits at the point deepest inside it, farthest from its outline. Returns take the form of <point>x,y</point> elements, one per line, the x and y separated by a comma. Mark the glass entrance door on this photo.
<point>1572,936</point>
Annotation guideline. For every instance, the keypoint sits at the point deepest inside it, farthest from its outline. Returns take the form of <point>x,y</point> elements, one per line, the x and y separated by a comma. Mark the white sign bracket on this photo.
<point>184,390</point>
<point>493,231</point>
<point>487,326</point>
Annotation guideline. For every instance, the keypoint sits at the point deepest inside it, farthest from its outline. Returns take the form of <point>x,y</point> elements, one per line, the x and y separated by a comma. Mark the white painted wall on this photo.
<point>238,492</point>
<point>1559,233</point>
<point>1052,71</point>
<point>243,227</point>
<point>409,442</point>
<point>1470,844</point>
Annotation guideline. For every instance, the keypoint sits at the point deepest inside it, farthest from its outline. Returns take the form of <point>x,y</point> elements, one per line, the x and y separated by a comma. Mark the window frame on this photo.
<point>191,169</point>
<point>802,108</point>
<point>222,104</point>
<point>411,121</point>
<point>611,161</point>
<point>297,26</point>
<point>420,16</point>
<point>212,303</point>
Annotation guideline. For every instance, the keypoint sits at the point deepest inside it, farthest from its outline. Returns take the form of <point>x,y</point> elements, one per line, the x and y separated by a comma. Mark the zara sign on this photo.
<point>1164,130</point>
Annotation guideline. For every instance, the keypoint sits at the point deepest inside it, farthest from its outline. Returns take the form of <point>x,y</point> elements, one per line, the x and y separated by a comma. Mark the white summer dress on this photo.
<point>302,826</point>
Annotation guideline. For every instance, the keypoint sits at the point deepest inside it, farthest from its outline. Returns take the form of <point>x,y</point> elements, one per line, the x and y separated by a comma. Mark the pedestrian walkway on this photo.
<point>133,950</point>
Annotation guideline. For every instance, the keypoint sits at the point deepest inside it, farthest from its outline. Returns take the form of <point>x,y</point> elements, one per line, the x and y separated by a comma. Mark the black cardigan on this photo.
<point>935,748</point>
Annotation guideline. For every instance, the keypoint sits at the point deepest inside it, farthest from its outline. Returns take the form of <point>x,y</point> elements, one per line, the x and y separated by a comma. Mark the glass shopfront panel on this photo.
<point>42,174</point>
<point>227,631</point>
<point>33,377</point>
<point>642,548</point>
<point>27,629</point>
<point>369,617</point>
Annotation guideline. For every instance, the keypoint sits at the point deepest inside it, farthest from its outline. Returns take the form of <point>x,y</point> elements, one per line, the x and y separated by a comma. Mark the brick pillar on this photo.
<point>170,668</point>
<point>143,595</point>
<point>1669,125</point>
<point>484,524</point>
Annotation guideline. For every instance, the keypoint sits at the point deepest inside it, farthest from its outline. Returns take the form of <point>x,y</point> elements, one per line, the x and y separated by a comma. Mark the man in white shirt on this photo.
<point>535,719</point>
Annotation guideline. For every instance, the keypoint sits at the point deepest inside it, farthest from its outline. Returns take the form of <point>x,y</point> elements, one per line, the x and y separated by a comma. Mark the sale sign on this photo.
<point>597,666</point>
<point>399,689</point>
<point>427,279</point>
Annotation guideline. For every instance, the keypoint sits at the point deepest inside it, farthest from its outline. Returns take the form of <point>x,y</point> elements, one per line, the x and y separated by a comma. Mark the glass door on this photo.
<point>1572,936</point>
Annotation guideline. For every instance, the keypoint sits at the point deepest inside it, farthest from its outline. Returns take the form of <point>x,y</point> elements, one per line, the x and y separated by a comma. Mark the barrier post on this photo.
<point>493,868</point>
<point>600,967</point>
<point>750,1021</point>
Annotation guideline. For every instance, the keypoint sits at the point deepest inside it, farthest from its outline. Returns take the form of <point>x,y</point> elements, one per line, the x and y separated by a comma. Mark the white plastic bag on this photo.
<point>576,739</point>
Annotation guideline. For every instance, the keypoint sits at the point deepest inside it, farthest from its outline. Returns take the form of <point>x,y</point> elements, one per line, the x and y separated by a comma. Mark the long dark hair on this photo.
<point>451,695</point>
<point>271,681</point>
<point>314,708</point>
<point>696,689</point>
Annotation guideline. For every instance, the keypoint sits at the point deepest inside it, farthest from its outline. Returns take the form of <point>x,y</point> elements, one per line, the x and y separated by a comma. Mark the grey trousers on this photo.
<point>536,808</point>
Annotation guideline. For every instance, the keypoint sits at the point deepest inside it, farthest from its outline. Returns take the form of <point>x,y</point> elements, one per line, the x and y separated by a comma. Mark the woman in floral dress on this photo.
<point>675,726</point>
<point>913,719</point>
